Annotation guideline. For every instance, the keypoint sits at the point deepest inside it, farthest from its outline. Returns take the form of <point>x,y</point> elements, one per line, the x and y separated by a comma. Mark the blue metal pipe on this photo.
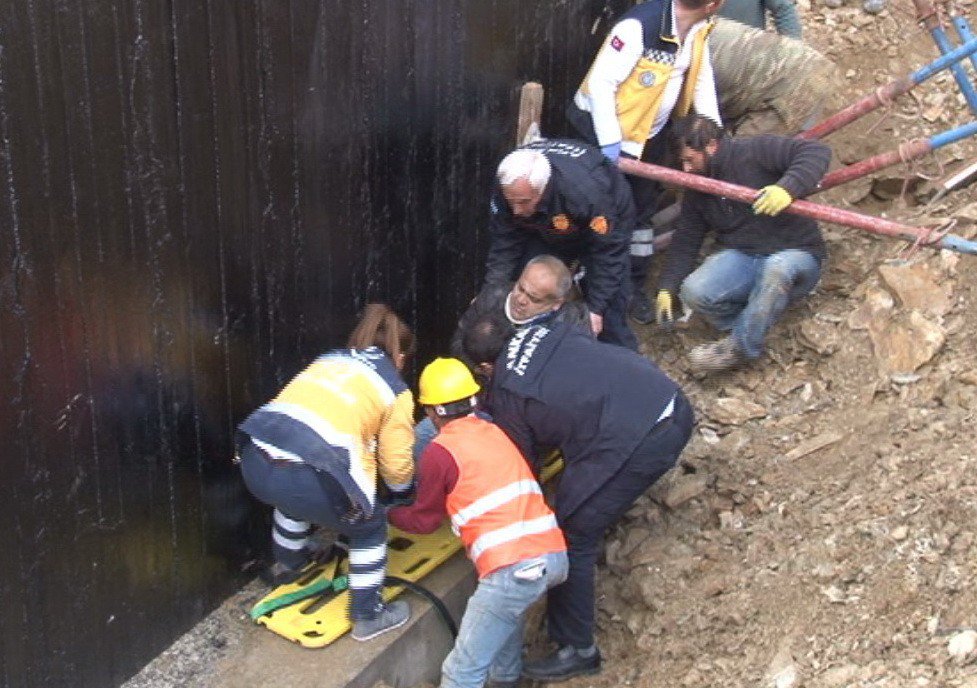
<point>963,81</point>
<point>958,244</point>
<point>953,135</point>
<point>966,35</point>
<point>949,58</point>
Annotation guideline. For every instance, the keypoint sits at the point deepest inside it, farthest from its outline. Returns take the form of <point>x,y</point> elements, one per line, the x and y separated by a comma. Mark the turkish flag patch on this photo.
<point>617,43</point>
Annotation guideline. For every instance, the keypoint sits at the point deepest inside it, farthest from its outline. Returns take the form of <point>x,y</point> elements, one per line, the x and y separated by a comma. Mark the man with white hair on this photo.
<point>564,198</point>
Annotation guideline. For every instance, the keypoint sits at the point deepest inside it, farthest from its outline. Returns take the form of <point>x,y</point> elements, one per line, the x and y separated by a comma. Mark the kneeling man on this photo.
<point>764,260</point>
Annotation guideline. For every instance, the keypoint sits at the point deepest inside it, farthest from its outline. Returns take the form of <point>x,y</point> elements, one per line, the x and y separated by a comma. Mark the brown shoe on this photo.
<point>716,356</point>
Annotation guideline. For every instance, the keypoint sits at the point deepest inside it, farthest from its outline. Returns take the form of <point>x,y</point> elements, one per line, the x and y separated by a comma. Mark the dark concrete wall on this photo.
<point>195,198</point>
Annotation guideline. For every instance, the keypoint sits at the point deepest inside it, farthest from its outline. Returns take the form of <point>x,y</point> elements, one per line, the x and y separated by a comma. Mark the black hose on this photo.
<point>429,596</point>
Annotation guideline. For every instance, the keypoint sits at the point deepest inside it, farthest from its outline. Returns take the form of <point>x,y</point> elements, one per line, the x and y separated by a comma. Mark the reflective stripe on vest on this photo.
<point>493,500</point>
<point>496,505</point>
<point>512,532</point>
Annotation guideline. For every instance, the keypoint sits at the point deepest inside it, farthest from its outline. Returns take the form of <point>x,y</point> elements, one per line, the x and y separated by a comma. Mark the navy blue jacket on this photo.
<point>556,386</point>
<point>586,213</point>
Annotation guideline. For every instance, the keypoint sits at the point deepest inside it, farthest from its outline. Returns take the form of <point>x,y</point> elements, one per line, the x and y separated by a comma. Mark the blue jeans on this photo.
<point>748,294</point>
<point>490,637</point>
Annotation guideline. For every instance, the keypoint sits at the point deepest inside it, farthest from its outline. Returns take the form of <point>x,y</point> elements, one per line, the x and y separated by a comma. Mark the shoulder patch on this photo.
<point>599,225</point>
<point>561,224</point>
<point>617,43</point>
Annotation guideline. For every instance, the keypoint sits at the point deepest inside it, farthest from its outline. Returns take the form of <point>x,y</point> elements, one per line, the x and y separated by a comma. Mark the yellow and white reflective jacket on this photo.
<point>349,414</point>
<point>642,76</point>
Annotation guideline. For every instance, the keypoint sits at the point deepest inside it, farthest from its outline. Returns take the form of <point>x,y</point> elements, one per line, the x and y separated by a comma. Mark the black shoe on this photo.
<point>565,663</point>
<point>640,309</point>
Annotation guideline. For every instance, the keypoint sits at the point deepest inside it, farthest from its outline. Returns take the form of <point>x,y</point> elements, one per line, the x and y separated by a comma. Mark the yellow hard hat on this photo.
<point>445,380</point>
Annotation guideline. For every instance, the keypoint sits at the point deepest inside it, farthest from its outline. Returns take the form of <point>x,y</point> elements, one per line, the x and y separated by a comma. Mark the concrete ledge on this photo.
<point>404,658</point>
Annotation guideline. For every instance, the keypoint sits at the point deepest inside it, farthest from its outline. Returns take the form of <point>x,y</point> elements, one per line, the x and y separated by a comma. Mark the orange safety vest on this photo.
<point>496,507</point>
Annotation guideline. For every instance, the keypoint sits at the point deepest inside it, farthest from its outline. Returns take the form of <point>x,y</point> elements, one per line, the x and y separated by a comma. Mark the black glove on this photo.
<point>404,497</point>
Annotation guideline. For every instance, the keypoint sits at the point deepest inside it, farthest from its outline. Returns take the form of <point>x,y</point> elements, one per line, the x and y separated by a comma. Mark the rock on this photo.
<point>733,411</point>
<point>840,677</point>
<point>903,344</point>
<point>962,646</point>
<point>684,488</point>
<point>917,287</point>
<point>812,445</point>
<point>782,672</point>
<point>900,533</point>
<point>820,337</point>
<point>877,301</point>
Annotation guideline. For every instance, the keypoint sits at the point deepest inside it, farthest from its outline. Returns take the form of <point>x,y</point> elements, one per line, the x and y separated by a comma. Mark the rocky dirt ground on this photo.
<point>820,529</point>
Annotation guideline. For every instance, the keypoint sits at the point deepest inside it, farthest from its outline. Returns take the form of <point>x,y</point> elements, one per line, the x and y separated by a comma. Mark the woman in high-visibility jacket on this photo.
<point>314,452</point>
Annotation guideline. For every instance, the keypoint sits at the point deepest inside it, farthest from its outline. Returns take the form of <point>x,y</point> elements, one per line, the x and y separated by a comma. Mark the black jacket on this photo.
<point>492,300</point>
<point>556,386</point>
<point>586,213</point>
<point>795,164</point>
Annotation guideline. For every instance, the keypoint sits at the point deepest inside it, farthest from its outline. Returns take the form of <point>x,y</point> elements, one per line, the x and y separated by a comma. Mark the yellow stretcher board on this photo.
<point>318,620</point>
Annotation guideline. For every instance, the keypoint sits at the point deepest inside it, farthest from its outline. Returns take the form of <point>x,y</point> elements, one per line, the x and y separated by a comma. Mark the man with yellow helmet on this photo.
<point>473,474</point>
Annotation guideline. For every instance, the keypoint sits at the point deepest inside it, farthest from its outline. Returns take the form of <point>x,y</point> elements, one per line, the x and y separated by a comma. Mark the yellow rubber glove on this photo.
<point>772,200</point>
<point>663,307</point>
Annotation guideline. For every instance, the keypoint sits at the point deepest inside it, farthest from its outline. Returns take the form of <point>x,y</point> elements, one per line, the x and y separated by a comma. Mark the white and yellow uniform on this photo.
<point>348,414</point>
<point>643,75</point>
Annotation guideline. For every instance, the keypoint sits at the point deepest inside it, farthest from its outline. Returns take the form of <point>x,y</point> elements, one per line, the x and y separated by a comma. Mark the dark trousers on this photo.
<point>645,191</point>
<point>570,606</point>
<point>303,493</point>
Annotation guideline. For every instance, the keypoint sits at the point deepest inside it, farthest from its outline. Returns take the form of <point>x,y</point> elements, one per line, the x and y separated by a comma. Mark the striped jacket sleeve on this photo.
<point>395,443</point>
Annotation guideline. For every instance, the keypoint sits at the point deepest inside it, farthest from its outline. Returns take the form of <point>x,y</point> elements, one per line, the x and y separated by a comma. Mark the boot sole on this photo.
<point>550,678</point>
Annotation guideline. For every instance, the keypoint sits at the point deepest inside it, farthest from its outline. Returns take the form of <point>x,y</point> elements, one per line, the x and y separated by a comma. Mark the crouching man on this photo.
<point>764,261</point>
<point>473,473</point>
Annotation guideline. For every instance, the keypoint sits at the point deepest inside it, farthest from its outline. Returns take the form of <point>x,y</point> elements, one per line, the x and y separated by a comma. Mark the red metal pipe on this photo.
<point>909,150</point>
<point>927,15</point>
<point>878,98</point>
<point>745,194</point>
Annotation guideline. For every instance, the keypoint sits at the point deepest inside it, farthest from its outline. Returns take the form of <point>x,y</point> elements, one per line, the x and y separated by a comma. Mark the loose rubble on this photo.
<point>820,529</point>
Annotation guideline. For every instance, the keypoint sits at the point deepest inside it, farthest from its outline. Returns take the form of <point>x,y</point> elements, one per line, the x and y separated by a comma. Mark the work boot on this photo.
<point>565,663</point>
<point>391,616</point>
<point>640,309</point>
<point>716,356</point>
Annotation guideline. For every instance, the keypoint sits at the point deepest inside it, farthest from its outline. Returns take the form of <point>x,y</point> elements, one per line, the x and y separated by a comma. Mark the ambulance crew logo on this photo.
<point>599,225</point>
<point>561,224</point>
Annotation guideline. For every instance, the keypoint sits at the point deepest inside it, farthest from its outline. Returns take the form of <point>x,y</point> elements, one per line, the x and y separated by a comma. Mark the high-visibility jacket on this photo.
<point>627,79</point>
<point>496,506</point>
<point>348,414</point>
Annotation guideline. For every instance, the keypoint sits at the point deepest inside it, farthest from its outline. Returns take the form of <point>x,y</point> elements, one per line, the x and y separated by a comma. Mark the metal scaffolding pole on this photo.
<point>914,235</point>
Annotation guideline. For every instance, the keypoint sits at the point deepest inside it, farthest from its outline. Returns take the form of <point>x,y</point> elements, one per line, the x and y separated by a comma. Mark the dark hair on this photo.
<point>487,336</point>
<point>455,409</point>
<point>380,326</point>
<point>695,132</point>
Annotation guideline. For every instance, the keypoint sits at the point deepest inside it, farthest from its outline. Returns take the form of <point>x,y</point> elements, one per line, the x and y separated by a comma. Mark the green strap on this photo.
<point>337,584</point>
